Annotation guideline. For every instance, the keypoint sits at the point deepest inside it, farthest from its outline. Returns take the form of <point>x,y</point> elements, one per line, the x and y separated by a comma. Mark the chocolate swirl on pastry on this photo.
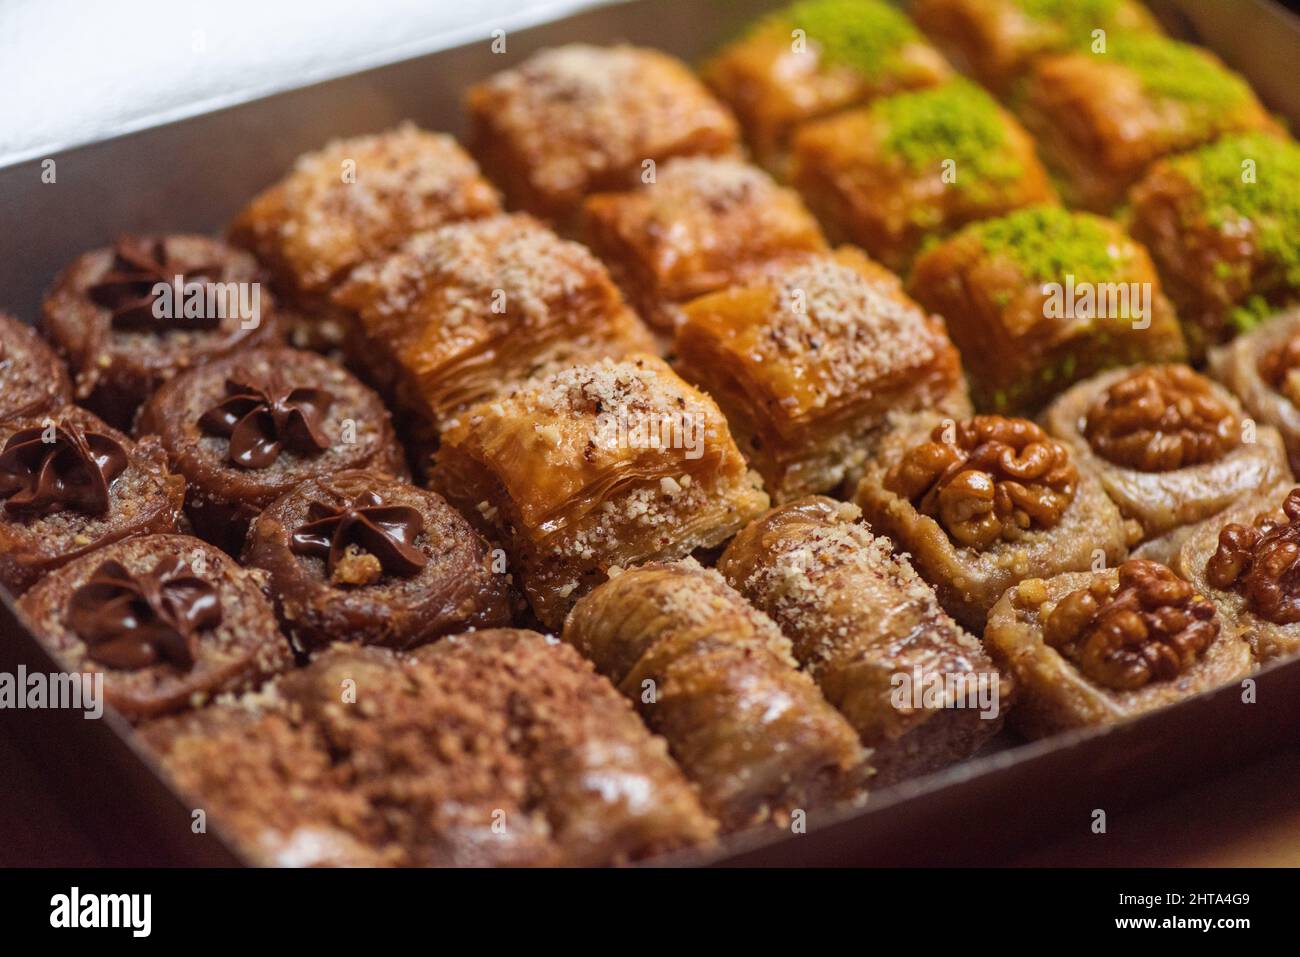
<point>73,469</point>
<point>134,621</point>
<point>362,539</point>
<point>262,416</point>
<point>128,289</point>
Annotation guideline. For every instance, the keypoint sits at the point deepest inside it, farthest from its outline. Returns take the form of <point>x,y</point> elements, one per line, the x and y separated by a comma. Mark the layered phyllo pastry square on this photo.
<point>917,165</point>
<point>579,119</point>
<point>603,464</point>
<point>1102,114</point>
<point>694,229</point>
<point>464,312</point>
<point>1042,298</point>
<point>1223,225</point>
<point>994,40</point>
<point>816,57</point>
<point>811,359</point>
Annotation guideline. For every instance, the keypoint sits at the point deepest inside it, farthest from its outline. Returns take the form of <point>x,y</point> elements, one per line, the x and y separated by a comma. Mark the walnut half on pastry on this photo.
<point>1089,648</point>
<point>1262,368</point>
<point>1170,447</point>
<point>919,690</point>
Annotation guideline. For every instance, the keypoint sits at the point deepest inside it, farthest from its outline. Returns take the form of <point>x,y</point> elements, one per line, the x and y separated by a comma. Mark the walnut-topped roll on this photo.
<point>919,690</point>
<point>715,677</point>
<point>1262,369</point>
<point>1170,447</point>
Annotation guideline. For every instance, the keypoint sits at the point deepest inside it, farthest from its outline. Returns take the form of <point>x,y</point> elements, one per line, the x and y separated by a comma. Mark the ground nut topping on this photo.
<point>1161,419</point>
<point>1260,562</point>
<point>1280,368</point>
<point>986,478</point>
<point>1151,627</point>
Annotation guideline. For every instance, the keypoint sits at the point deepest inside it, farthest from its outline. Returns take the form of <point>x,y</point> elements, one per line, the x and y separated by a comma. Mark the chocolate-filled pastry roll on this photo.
<point>350,202</point>
<point>1248,567</point>
<point>360,556</point>
<point>1091,648</point>
<point>814,58</point>
<point>1223,226</point>
<point>463,313</point>
<point>917,688</point>
<point>1262,368</point>
<point>916,166</point>
<point>1101,118</point>
<point>578,119</point>
<point>133,315</point>
<point>1170,447</point>
<point>70,484</point>
<point>1042,298</point>
<point>32,378</point>
<point>715,677</point>
<point>994,40</point>
<point>246,429</point>
<point>169,620</point>
<point>986,502</point>
<point>599,465</point>
<point>812,360</point>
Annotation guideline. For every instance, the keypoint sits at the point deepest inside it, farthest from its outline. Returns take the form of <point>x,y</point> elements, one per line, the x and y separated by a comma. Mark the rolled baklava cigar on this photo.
<point>716,678</point>
<point>1223,227</point>
<point>33,380</point>
<point>579,119</point>
<point>1171,448</point>
<point>70,484</point>
<point>170,621</point>
<point>361,556</point>
<point>1249,567</point>
<point>984,502</point>
<point>1090,648</point>
<point>1262,369</point>
<point>246,429</point>
<point>917,688</point>
<point>814,58</point>
<point>131,316</point>
<point>348,203</point>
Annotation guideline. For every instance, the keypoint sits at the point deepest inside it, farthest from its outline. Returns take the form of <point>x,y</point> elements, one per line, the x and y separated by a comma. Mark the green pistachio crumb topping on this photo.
<point>1076,19</point>
<point>1047,243</point>
<point>1178,71</point>
<point>864,34</point>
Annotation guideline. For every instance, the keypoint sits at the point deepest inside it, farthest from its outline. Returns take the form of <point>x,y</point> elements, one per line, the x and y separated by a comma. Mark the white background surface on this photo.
<point>72,71</point>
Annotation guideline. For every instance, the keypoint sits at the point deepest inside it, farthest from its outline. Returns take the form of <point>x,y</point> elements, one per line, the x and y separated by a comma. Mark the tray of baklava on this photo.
<point>695,450</point>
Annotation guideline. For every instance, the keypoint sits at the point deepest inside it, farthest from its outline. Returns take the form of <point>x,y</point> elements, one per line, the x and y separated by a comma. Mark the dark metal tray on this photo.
<point>194,174</point>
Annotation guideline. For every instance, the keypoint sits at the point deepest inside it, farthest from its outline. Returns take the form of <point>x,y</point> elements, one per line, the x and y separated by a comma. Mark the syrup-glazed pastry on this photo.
<point>33,380</point>
<point>1223,227</point>
<point>695,229</point>
<point>133,315</point>
<point>70,484</point>
<point>1262,368</point>
<point>1249,568</point>
<point>716,678</point>
<point>986,502</point>
<point>463,313</point>
<point>360,556</point>
<point>918,689</point>
<point>350,202</point>
<point>814,58</point>
<point>579,119</point>
<point>1171,448</point>
<point>1101,117</point>
<point>813,360</point>
<point>169,620</point>
<point>1091,648</point>
<point>1042,298</point>
<point>246,429</point>
<point>599,465</point>
<point>914,167</point>
<point>995,40</point>
<point>491,748</point>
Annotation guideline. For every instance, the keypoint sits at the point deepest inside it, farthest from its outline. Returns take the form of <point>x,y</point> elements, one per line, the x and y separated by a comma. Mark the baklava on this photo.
<point>914,167</point>
<point>812,360</point>
<point>603,464</point>
<point>1262,368</point>
<point>1042,298</point>
<point>33,379</point>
